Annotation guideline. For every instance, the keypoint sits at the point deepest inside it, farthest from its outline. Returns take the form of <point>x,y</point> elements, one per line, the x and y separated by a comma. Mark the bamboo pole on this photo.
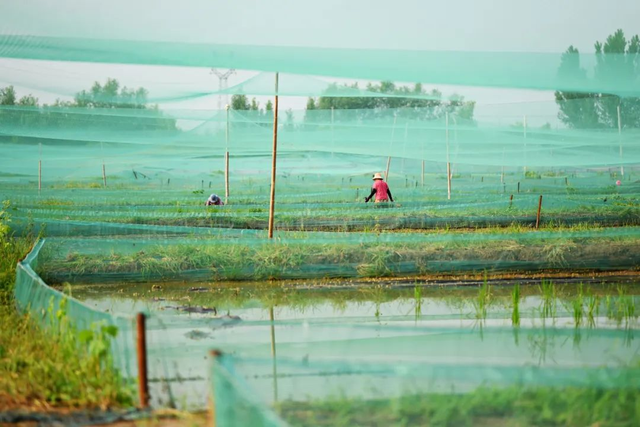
<point>273,354</point>
<point>143,385</point>
<point>620,139</point>
<point>226,160</point>
<point>538,214</point>
<point>524,129</point>
<point>272,196</point>
<point>448,162</point>
<point>40,168</point>
<point>393,132</point>
<point>386,175</point>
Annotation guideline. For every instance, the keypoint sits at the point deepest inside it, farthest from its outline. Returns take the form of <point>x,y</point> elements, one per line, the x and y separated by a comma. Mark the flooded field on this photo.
<point>366,340</point>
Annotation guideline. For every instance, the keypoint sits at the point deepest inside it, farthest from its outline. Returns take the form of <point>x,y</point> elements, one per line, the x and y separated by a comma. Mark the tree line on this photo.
<point>580,110</point>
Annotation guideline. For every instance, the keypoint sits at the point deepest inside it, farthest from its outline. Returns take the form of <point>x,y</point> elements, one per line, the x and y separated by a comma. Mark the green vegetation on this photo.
<point>54,366</point>
<point>508,407</point>
<point>259,260</point>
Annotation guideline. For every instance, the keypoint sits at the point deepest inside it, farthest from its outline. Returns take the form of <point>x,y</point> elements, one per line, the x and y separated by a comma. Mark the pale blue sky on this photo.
<point>497,25</point>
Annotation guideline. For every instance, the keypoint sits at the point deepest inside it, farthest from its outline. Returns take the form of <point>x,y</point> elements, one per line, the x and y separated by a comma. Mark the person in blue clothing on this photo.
<point>214,200</point>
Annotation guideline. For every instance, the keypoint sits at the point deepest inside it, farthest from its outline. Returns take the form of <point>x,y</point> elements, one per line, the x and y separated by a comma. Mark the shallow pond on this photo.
<point>300,341</point>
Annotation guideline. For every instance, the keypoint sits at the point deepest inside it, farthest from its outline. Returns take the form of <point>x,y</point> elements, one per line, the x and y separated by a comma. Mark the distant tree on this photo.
<point>28,101</point>
<point>255,106</point>
<point>311,104</point>
<point>109,95</point>
<point>240,102</point>
<point>269,106</point>
<point>8,96</point>
<point>416,103</point>
<point>616,58</point>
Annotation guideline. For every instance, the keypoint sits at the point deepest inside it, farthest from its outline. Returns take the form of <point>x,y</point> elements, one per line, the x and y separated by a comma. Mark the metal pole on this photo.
<point>538,214</point>
<point>620,139</point>
<point>448,162</point>
<point>272,196</point>
<point>226,160</point>
<point>143,386</point>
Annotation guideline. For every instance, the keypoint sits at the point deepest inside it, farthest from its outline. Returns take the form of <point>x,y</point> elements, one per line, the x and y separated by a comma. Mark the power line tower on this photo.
<point>223,78</point>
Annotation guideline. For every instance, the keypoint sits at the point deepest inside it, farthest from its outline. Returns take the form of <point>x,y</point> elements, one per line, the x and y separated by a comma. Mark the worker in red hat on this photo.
<point>380,189</point>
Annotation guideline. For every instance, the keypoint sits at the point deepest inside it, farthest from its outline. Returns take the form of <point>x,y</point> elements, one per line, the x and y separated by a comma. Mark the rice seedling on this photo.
<point>577,305</point>
<point>483,300</point>
<point>515,300</point>
<point>549,299</point>
<point>417,295</point>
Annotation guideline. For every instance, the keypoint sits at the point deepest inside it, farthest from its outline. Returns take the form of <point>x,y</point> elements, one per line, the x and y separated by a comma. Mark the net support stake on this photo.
<point>538,214</point>
<point>448,162</point>
<point>214,354</point>
<point>620,139</point>
<point>386,175</point>
<point>226,159</point>
<point>518,187</point>
<point>143,385</point>
<point>40,167</point>
<point>357,195</point>
<point>273,354</point>
<point>511,200</point>
<point>524,130</point>
<point>104,175</point>
<point>272,195</point>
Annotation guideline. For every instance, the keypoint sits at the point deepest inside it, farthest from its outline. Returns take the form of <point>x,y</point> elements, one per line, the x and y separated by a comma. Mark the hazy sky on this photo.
<point>496,25</point>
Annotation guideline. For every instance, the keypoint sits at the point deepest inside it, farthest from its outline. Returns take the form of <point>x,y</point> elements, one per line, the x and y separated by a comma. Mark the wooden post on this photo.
<point>272,195</point>
<point>422,173</point>
<point>511,200</point>
<point>538,215</point>
<point>518,187</point>
<point>386,175</point>
<point>214,354</point>
<point>104,175</point>
<point>620,139</point>
<point>226,159</point>
<point>357,191</point>
<point>566,181</point>
<point>502,175</point>
<point>143,385</point>
<point>448,162</point>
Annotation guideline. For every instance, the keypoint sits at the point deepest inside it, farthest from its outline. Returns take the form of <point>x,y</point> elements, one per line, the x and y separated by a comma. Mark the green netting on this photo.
<point>233,402</point>
<point>34,296</point>
<point>404,373</point>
